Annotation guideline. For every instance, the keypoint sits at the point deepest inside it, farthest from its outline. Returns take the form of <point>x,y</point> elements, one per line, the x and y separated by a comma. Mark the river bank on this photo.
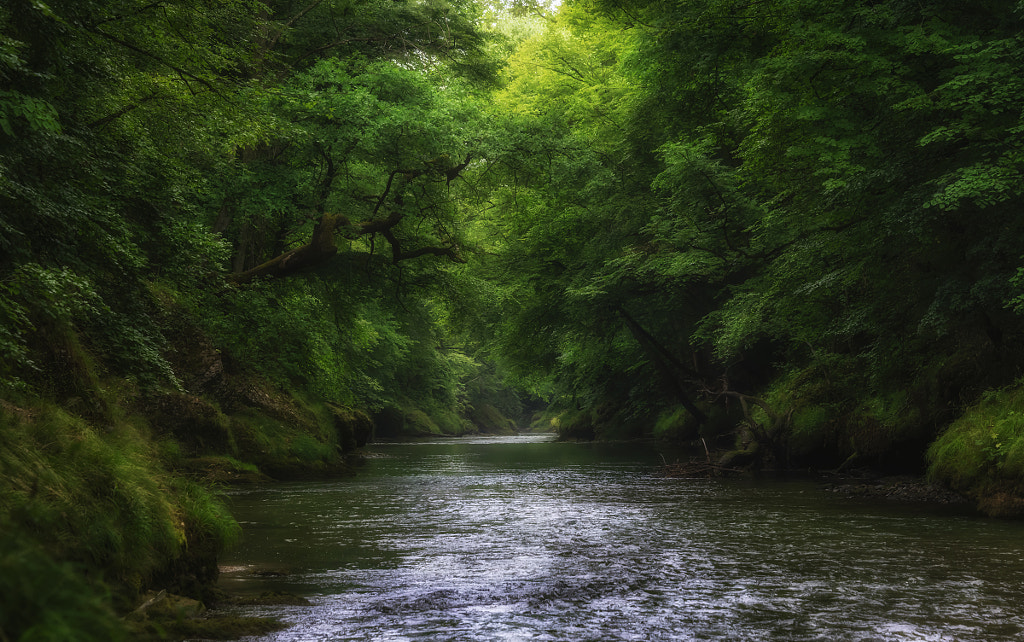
<point>863,483</point>
<point>120,489</point>
<point>901,488</point>
<point>115,494</point>
<point>169,530</point>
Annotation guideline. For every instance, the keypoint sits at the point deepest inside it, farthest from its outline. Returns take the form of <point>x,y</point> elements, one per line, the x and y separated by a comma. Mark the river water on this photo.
<point>522,538</point>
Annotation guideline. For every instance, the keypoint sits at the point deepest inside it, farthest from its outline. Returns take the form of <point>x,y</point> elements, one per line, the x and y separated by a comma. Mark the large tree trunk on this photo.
<point>771,439</point>
<point>323,245</point>
<point>667,365</point>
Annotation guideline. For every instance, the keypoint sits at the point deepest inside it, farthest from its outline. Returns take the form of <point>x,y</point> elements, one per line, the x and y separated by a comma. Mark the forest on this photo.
<point>239,239</point>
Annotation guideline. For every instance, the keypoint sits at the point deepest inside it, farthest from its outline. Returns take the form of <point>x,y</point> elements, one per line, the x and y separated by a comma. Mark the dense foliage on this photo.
<point>808,210</point>
<point>238,238</point>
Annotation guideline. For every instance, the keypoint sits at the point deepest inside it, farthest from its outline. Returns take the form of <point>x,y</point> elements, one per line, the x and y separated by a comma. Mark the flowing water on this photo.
<point>521,538</point>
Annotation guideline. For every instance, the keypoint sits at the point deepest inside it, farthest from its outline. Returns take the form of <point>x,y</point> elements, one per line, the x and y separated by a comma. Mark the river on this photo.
<point>523,538</point>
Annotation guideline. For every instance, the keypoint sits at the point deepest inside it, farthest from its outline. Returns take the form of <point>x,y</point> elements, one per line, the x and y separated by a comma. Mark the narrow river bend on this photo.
<point>521,538</point>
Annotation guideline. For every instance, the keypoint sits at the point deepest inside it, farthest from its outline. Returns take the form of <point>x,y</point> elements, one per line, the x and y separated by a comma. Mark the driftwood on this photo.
<point>695,469</point>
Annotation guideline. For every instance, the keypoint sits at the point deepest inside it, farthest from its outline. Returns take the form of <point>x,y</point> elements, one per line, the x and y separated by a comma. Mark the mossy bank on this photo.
<point>810,421</point>
<point>109,489</point>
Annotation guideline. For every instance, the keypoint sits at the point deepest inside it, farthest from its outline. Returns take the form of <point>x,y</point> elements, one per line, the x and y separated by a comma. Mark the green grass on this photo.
<point>80,500</point>
<point>45,600</point>
<point>205,515</point>
<point>984,448</point>
<point>94,496</point>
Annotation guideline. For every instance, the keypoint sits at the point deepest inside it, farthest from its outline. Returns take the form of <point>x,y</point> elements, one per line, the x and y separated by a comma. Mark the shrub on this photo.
<point>984,448</point>
<point>47,600</point>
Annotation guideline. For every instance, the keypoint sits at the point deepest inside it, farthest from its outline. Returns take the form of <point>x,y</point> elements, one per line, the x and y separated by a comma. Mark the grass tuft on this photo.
<point>982,452</point>
<point>44,600</point>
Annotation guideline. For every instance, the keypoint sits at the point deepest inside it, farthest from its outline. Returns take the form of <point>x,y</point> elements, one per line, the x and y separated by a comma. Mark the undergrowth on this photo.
<point>46,600</point>
<point>91,495</point>
<point>89,517</point>
<point>982,453</point>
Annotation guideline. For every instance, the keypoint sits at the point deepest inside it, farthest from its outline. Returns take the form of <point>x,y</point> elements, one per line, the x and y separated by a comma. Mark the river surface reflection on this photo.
<point>521,538</point>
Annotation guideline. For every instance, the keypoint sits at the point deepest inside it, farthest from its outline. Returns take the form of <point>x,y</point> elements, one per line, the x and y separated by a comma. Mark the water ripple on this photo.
<point>516,540</point>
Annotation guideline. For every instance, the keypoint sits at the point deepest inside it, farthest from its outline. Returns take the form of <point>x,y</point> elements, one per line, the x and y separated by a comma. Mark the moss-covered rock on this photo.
<point>354,427</point>
<point>418,423</point>
<point>410,422</point>
<point>166,606</point>
<point>834,420</point>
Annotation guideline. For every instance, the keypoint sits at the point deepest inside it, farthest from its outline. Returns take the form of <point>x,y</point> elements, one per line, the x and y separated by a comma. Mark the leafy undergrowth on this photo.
<point>44,599</point>
<point>90,517</point>
<point>93,495</point>
<point>982,453</point>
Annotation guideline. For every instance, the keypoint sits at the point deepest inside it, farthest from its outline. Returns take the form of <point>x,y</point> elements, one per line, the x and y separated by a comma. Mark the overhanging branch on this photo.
<point>323,246</point>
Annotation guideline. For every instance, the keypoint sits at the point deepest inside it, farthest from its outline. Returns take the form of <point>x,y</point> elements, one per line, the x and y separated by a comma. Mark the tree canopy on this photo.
<point>806,201</point>
<point>622,207</point>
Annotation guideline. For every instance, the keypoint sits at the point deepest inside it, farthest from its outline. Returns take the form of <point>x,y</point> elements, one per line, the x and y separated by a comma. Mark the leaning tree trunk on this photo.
<point>323,243</point>
<point>321,247</point>
<point>669,368</point>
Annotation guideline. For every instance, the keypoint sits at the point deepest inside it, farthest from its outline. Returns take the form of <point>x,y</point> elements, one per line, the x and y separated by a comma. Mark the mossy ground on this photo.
<point>89,507</point>
<point>95,510</point>
<point>982,453</point>
<point>109,489</point>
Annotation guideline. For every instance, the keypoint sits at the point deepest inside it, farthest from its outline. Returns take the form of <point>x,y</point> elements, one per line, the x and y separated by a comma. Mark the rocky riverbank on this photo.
<point>902,488</point>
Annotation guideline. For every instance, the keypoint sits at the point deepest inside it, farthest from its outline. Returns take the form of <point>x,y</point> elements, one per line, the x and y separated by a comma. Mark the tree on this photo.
<point>381,142</point>
<point>765,171</point>
<point>94,187</point>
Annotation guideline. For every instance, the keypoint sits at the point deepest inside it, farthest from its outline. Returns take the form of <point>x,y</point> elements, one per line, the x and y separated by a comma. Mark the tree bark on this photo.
<point>771,438</point>
<point>320,248</point>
